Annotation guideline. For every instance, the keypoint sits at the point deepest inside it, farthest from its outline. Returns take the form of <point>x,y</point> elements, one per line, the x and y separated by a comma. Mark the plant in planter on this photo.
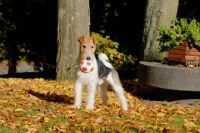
<point>120,60</point>
<point>182,40</point>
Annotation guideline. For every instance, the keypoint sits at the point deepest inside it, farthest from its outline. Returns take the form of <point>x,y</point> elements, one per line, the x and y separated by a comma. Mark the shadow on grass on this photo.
<point>53,97</point>
<point>159,94</point>
<point>127,74</point>
<point>174,95</point>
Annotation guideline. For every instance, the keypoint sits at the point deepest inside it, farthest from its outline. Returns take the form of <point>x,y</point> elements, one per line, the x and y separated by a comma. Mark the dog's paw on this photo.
<point>77,106</point>
<point>125,108</point>
<point>89,107</point>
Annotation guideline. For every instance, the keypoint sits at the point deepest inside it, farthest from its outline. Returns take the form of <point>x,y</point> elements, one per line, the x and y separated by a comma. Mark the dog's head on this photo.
<point>87,47</point>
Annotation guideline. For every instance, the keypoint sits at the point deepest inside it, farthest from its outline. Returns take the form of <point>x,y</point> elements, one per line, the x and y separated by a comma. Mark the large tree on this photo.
<point>73,21</point>
<point>158,12</point>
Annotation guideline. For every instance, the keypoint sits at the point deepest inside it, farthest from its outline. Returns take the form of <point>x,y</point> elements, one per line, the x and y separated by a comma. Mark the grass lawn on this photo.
<point>38,105</point>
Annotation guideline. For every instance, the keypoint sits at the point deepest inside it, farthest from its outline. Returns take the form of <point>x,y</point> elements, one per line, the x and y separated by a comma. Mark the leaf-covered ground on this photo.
<point>38,105</point>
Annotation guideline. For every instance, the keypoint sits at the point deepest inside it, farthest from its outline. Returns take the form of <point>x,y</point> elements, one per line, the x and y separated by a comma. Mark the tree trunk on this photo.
<point>158,12</point>
<point>13,52</point>
<point>12,63</point>
<point>73,21</point>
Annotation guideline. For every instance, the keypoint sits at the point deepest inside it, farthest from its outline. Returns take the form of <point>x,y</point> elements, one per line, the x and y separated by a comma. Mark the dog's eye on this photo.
<point>83,46</point>
<point>92,47</point>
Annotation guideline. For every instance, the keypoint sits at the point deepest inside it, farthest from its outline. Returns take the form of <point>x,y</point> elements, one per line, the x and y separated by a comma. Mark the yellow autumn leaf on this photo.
<point>189,124</point>
<point>152,119</point>
<point>26,126</point>
<point>40,79</point>
<point>141,109</point>
<point>161,129</point>
<point>32,130</point>
<point>52,101</point>
<point>155,127</point>
<point>54,116</point>
<point>40,114</point>
<point>170,119</point>
<point>198,130</point>
<point>181,112</point>
<point>34,87</point>
<point>86,110</point>
<point>19,110</point>
<point>14,104</point>
<point>99,120</point>
<point>160,114</point>
<point>46,119</point>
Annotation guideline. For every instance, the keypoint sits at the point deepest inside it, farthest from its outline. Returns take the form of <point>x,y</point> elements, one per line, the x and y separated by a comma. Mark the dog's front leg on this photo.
<point>102,91</point>
<point>78,94</point>
<point>90,96</point>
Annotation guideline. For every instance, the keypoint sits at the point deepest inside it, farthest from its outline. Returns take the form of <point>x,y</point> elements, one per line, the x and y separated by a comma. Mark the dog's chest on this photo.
<point>87,78</point>
<point>97,76</point>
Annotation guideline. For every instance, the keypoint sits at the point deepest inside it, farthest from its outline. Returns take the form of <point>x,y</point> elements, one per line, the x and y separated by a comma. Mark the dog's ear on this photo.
<point>81,39</point>
<point>95,39</point>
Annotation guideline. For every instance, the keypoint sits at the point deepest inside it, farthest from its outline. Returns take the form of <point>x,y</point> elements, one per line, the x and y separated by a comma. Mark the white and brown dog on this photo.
<point>102,75</point>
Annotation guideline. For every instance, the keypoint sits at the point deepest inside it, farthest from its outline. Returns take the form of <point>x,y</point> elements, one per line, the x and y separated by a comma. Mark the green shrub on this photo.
<point>109,47</point>
<point>180,30</point>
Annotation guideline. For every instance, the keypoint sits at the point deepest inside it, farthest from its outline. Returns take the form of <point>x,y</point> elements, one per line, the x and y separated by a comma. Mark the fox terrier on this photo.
<point>101,75</point>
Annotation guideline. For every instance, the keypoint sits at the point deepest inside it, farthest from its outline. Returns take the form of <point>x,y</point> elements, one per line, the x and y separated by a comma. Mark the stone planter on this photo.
<point>185,54</point>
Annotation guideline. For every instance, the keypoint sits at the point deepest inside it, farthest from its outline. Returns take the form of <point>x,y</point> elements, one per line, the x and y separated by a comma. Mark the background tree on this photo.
<point>28,32</point>
<point>28,29</point>
<point>73,21</point>
<point>189,9</point>
<point>122,20</point>
<point>158,12</point>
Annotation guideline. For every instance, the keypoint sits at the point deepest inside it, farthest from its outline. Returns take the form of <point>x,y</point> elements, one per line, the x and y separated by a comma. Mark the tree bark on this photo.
<point>73,21</point>
<point>158,12</point>
<point>13,56</point>
<point>13,52</point>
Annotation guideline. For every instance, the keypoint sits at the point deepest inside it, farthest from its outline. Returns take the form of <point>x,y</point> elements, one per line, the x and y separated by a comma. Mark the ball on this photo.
<point>86,66</point>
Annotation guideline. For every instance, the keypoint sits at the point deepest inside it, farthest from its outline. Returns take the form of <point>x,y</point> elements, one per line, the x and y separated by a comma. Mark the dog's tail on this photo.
<point>104,59</point>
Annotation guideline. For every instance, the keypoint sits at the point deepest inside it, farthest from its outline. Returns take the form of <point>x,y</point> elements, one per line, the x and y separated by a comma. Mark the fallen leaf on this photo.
<point>141,109</point>
<point>19,110</point>
<point>170,119</point>
<point>160,114</point>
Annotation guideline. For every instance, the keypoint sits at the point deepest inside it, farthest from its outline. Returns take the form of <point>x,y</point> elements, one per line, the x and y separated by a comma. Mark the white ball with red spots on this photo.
<point>86,66</point>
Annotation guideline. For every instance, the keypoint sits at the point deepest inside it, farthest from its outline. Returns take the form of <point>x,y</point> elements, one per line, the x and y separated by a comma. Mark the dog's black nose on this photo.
<point>88,58</point>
